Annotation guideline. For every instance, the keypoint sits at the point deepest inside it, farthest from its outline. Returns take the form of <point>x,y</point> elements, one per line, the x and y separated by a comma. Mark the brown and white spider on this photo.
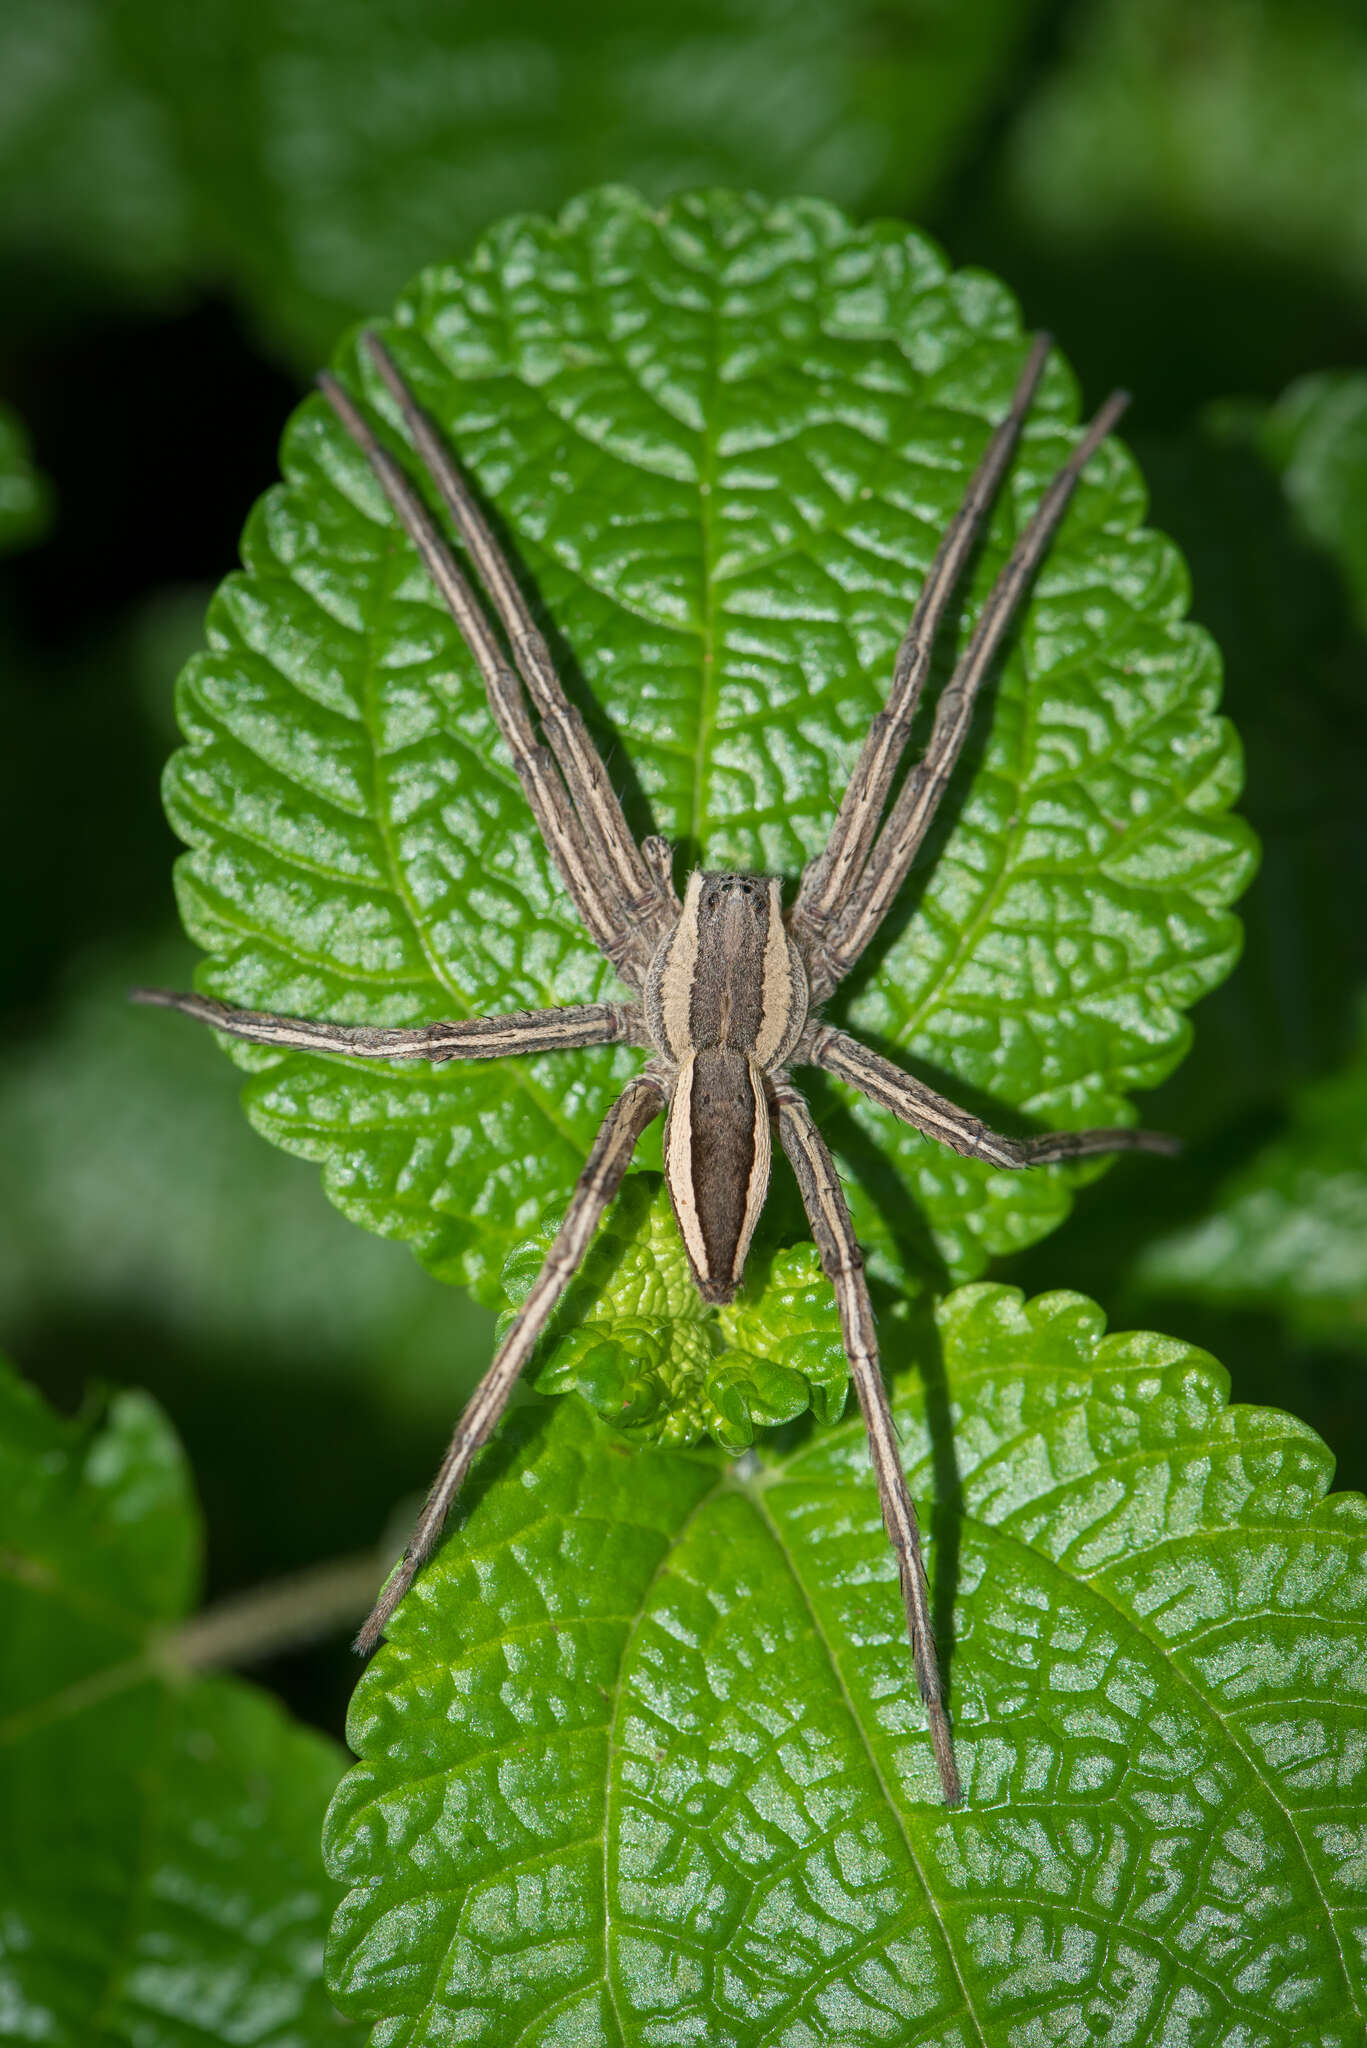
<point>727,987</point>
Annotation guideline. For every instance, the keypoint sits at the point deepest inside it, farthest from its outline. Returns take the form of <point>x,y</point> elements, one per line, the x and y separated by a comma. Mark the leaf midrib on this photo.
<point>755,1493</point>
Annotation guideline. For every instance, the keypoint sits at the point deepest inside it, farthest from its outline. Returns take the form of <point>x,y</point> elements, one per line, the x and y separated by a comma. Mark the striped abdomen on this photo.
<point>726,999</point>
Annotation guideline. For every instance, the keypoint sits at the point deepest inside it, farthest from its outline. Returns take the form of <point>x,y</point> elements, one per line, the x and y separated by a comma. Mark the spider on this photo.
<point>727,986</point>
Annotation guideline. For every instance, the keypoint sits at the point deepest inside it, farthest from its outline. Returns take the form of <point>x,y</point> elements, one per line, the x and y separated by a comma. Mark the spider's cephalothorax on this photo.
<point>726,986</point>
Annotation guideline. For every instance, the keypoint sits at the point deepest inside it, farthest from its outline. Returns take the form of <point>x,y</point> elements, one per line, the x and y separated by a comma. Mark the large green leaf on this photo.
<point>724,439</point>
<point>160,1884</point>
<point>642,1761</point>
<point>315,152</point>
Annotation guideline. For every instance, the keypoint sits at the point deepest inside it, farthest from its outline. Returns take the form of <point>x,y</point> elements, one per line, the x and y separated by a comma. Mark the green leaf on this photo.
<point>1287,1232</point>
<point>633,1335</point>
<point>160,1883</point>
<point>725,439</point>
<point>643,1761</point>
<point>24,495</point>
<point>1281,1218</point>
<point>1316,437</point>
<point>131,1188</point>
<point>315,152</point>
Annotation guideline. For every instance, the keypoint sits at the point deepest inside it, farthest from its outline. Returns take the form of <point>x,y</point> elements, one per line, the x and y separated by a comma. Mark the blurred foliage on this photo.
<point>23,494</point>
<point>190,197</point>
<point>312,156</point>
<point>1236,124</point>
<point>160,1882</point>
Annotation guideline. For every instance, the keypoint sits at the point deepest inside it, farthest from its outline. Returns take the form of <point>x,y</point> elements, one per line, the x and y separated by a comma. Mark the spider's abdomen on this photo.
<point>726,1000</point>
<point>728,974</point>
<point>717,1152</point>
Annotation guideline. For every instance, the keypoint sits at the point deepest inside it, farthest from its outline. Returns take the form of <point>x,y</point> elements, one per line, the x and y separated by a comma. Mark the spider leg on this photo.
<point>828,879</point>
<point>937,1117</point>
<point>638,1106</point>
<point>576,856</point>
<point>843,1262</point>
<point>635,887</point>
<point>470,1038</point>
<point>896,845</point>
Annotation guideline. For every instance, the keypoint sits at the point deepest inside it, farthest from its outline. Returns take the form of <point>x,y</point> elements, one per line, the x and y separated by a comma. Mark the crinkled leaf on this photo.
<point>633,1335</point>
<point>160,1884</point>
<point>23,492</point>
<point>643,1761</point>
<point>316,152</point>
<point>724,439</point>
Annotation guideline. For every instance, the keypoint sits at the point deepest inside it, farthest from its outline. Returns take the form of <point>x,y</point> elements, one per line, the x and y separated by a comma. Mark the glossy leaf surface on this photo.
<point>723,441</point>
<point>160,1884</point>
<point>643,1763</point>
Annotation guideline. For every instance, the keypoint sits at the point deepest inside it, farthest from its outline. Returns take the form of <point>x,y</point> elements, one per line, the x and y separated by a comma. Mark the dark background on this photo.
<point>194,202</point>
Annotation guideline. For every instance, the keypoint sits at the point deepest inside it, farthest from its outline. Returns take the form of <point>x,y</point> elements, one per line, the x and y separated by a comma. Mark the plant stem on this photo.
<point>283,1615</point>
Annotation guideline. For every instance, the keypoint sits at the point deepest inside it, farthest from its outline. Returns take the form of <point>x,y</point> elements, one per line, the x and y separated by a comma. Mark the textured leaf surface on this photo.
<point>642,1762</point>
<point>725,439</point>
<point>23,493</point>
<point>160,1884</point>
<point>315,153</point>
<point>633,1335</point>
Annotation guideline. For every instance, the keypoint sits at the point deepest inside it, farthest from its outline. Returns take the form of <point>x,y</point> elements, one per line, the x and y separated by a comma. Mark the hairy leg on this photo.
<point>919,798</point>
<point>829,1216</point>
<point>577,858</point>
<point>472,1038</point>
<point>828,879</point>
<point>567,736</point>
<point>937,1117</point>
<point>638,1106</point>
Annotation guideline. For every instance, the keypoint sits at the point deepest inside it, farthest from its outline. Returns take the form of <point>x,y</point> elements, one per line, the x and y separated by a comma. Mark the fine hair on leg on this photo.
<point>896,846</point>
<point>937,1117</point>
<point>637,1107</point>
<point>469,1038</point>
<point>829,1216</point>
<point>828,879</point>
